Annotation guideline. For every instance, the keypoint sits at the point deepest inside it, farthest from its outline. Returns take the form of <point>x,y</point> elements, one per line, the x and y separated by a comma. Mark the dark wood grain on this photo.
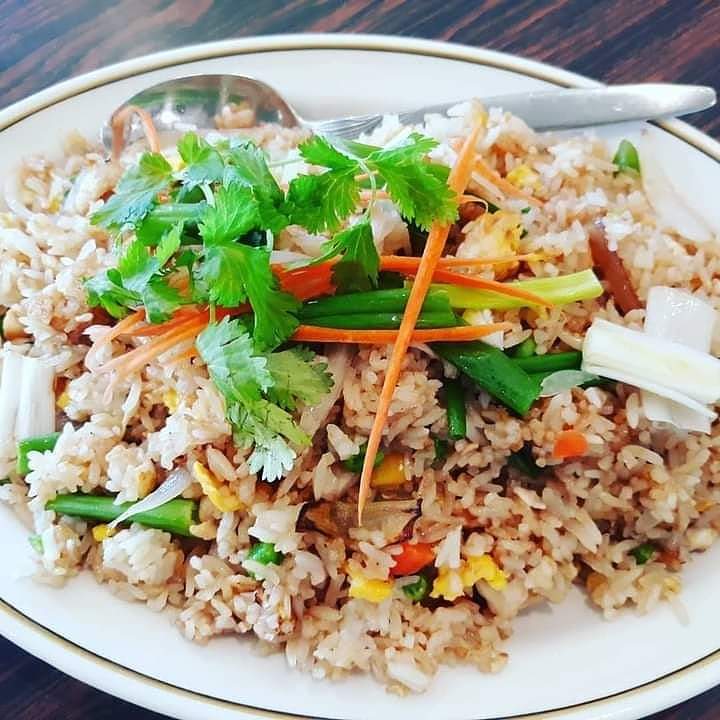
<point>613,40</point>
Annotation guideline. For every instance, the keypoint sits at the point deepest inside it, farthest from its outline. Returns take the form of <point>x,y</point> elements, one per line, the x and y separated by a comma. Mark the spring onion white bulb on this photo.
<point>684,318</point>
<point>10,393</point>
<point>36,407</point>
<point>666,368</point>
<point>563,380</point>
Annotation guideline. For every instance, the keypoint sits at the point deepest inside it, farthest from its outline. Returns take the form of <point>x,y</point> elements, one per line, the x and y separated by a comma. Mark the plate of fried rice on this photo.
<point>421,424</point>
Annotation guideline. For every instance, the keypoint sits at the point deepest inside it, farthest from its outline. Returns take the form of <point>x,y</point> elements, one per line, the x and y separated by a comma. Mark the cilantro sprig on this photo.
<point>259,391</point>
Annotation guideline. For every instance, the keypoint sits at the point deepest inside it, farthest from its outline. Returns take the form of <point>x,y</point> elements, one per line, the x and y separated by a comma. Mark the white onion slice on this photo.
<point>679,316</point>
<point>313,417</point>
<point>563,380</point>
<point>175,484</point>
<point>667,199</point>
<point>36,407</point>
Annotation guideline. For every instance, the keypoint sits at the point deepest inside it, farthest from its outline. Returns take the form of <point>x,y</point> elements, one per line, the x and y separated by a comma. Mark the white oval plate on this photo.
<point>565,661</point>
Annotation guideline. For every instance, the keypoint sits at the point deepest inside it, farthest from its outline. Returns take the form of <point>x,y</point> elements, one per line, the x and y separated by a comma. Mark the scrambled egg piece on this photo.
<point>219,494</point>
<point>101,532</point>
<point>523,177</point>
<point>146,483</point>
<point>450,584</point>
<point>63,400</point>
<point>171,400</point>
<point>373,590</point>
<point>493,235</point>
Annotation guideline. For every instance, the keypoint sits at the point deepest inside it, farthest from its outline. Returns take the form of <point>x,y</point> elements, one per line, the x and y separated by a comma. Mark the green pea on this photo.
<point>418,590</point>
<point>265,553</point>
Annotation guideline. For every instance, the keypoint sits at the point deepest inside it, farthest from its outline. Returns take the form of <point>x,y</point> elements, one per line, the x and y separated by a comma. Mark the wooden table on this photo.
<point>613,40</point>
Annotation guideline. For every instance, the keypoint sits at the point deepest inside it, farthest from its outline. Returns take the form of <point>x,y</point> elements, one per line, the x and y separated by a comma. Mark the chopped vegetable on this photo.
<point>613,271</point>
<point>377,301</point>
<point>523,461</point>
<point>412,558</point>
<point>456,412</point>
<point>41,443</point>
<point>355,463</point>
<point>684,318</point>
<point>36,406</point>
<point>569,443</point>
<point>265,553</point>
<point>669,369</point>
<point>563,380</point>
<point>643,553</point>
<point>176,516</point>
<point>311,333</point>
<point>626,157</point>
<point>102,532</point>
<point>370,589</point>
<point>12,368</point>
<point>417,591</point>
<point>550,362</point>
<point>442,449</point>
<point>385,321</point>
<point>485,171</point>
<point>390,471</point>
<point>219,494</point>
<point>493,371</point>
<point>560,290</point>
<point>457,181</point>
<point>525,349</point>
<point>36,544</point>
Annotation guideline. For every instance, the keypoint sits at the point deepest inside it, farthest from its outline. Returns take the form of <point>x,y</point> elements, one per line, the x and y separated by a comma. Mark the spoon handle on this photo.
<point>556,109</point>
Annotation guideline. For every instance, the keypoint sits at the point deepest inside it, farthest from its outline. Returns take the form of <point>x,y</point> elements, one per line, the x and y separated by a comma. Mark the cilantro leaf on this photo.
<point>227,349</point>
<point>137,266</point>
<point>204,164</point>
<point>275,311</point>
<point>105,290</point>
<point>318,151</point>
<point>357,247</point>
<point>235,212</point>
<point>135,193</point>
<point>322,202</point>
<point>160,300</point>
<point>248,166</point>
<point>419,187</point>
<point>220,275</point>
<point>296,378</point>
<point>169,244</point>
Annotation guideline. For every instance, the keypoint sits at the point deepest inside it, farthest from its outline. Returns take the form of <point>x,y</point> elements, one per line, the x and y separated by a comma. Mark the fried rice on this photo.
<point>639,481</point>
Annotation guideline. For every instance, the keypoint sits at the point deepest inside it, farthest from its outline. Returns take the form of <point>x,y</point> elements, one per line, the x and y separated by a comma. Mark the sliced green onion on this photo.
<point>643,553</point>
<point>355,463</point>
<point>391,300</point>
<point>562,380</point>
<point>265,553</point>
<point>385,321</point>
<point>418,590</point>
<point>550,363</point>
<point>525,349</point>
<point>36,543</point>
<point>175,516</point>
<point>42,443</point>
<point>560,290</point>
<point>626,157</point>
<point>442,449</point>
<point>493,371</point>
<point>523,461</point>
<point>456,412</point>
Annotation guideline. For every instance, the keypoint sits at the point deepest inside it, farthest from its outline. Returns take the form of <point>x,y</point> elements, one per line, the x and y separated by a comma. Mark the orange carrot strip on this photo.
<point>188,354</point>
<point>482,168</point>
<point>437,237</point>
<point>180,317</point>
<point>399,263</point>
<point>570,443</point>
<point>465,333</point>
<point>134,360</point>
<point>123,327</point>
<point>453,278</point>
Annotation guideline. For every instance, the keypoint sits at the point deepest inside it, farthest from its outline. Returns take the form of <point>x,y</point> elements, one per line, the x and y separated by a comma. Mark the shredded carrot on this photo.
<point>482,168</point>
<point>180,317</point>
<point>188,354</point>
<point>119,121</point>
<point>123,327</point>
<point>437,237</point>
<point>465,333</point>
<point>136,359</point>
<point>400,263</point>
<point>570,443</point>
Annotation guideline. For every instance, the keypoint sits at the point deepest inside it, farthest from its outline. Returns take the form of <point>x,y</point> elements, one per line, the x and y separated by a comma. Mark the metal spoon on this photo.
<point>193,103</point>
